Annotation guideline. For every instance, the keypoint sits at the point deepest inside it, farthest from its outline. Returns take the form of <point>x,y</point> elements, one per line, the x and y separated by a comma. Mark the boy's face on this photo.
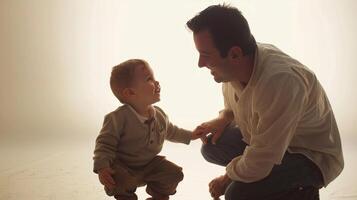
<point>146,90</point>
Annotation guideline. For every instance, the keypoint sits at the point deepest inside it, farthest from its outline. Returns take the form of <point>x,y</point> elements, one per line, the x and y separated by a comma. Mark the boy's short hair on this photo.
<point>122,76</point>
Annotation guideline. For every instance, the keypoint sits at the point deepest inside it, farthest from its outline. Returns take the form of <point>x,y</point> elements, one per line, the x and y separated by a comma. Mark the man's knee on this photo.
<point>233,193</point>
<point>238,191</point>
<point>214,154</point>
<point>208,152</point>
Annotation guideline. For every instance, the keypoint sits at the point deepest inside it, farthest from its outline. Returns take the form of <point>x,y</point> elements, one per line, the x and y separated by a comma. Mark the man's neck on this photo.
<point>246,71</point>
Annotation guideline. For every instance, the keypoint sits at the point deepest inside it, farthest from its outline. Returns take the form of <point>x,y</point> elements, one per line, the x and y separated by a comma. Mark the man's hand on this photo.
<point>215,126</point>
<point>199,132</point>
<point>218,186</point>
<point>105,177</point>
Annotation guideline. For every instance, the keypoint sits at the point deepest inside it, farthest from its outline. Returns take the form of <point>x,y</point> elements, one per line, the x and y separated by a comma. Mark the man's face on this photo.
<point>209,56</point>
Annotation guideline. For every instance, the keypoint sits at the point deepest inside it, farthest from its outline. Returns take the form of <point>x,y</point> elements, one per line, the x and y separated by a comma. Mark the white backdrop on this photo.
<point>56,58</point>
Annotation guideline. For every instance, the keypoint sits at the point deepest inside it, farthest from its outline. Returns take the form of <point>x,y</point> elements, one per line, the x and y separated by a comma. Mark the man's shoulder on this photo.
<point>273,62</point>
<point>266,46</point>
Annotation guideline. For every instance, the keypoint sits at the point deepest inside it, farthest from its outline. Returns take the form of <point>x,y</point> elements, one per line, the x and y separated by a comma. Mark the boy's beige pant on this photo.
<point>160,175</point>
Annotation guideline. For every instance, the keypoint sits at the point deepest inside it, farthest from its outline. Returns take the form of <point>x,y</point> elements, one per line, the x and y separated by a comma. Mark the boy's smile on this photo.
<point>158,89</point>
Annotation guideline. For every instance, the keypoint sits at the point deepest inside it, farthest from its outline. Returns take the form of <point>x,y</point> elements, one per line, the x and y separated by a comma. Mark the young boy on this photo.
<point>125,155</point>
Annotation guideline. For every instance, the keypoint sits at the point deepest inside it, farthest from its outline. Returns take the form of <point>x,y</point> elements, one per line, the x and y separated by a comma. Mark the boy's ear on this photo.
<point>235,53</point>
<point>127,92</point>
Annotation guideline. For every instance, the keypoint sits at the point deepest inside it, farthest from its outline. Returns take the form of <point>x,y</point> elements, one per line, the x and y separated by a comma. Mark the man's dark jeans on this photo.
<point>296,177</point>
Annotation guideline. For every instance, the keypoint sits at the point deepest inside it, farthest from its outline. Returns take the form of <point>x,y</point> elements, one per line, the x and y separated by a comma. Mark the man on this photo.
<point>277,135</point>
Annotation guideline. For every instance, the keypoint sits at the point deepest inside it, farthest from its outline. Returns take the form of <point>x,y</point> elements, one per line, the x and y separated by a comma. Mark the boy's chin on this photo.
<point>156,100</point>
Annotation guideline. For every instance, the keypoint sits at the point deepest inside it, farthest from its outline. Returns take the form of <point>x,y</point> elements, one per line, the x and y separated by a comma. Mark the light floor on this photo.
<point>63,170</point>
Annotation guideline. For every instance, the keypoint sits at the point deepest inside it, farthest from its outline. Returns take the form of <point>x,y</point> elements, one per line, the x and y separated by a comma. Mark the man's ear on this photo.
<point>235,53</point>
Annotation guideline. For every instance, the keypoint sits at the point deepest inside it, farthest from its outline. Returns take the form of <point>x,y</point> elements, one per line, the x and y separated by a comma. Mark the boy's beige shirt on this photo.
<point>125,137</point>
<point>283,107</point>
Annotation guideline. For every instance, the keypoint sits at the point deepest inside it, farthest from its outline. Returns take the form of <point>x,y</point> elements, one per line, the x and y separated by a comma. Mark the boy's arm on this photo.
<point>176,134</point>
<point>106,143</point>
<point>215,126</point>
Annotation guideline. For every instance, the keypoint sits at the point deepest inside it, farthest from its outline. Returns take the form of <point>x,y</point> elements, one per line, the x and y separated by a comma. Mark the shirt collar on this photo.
<point>141,118</point>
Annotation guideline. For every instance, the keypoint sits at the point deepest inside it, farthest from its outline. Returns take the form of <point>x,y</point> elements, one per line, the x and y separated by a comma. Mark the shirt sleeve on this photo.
<point>174,133</point>
<point>277,106</point>
<point>106,142</point>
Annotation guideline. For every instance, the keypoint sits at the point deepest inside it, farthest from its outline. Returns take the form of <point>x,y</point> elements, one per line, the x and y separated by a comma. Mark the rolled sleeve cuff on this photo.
<point>100,164</point>
<point>239,170</point>
<point>186,136</point>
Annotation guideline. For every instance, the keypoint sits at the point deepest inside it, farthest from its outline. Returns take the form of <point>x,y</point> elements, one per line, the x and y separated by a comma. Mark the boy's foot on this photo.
<point>152,198</point>
<point>155,195</point>
<point>120,197</point>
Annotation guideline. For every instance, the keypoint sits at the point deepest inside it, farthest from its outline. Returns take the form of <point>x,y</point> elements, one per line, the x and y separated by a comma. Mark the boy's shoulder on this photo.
<point>160,111</point>
<point>157,108</point>
<point>122,110</point>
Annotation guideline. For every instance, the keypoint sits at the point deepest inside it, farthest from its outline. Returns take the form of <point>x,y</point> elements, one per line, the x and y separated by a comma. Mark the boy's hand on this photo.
<point>105,177</point>
<point>199,132</point>
<point>215,126</point>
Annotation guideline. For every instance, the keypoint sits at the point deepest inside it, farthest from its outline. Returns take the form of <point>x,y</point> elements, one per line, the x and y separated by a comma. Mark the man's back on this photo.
<point>284,106</point>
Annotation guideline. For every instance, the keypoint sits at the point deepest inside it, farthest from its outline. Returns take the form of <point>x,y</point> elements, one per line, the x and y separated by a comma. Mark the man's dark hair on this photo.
<point>227,26</point>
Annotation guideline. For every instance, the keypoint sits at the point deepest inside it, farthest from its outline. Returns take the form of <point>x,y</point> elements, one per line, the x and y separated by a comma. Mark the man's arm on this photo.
<point>226,116</point>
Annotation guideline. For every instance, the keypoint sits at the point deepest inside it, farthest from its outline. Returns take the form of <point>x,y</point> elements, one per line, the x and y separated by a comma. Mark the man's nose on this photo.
<point>201,63</point>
